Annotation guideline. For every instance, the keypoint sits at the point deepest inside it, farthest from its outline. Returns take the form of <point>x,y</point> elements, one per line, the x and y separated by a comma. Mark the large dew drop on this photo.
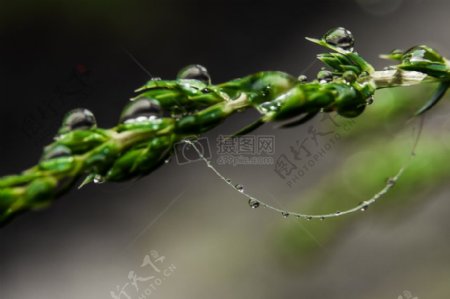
<point>54,152</point>
<point>422,54</point>
<point>141,111</point>
<point>195,72</point>
<point>340,38</point>
<point>78,119</point>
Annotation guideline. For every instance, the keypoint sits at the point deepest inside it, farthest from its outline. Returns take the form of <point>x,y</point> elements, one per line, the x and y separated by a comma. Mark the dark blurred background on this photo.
<point>59,55</point>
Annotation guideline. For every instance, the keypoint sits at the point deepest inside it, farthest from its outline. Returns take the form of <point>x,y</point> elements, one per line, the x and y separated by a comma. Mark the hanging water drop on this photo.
<point>228,181</point>
<point>78,119</point>
<point>285,214</point>
<point>370,100</point>
<point>322,218</point>
<point>391,182</point>
<point>340,38</point>
<point>253,203</point>
<point>364,208</point>
<point>239,188</point>
<point>337,213</point>
<point>98,179</point>
<point>195,72</point>
<point>309,218</point>
<point>141,110</point>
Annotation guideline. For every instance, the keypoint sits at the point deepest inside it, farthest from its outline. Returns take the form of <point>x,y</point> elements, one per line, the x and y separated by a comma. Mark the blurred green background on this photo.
<point>58,55</point>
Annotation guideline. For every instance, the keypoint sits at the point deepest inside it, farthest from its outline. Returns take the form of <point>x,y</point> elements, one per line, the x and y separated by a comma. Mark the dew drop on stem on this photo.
<point>141,110</point>
<point>302,78</point>
<point>195,72</point>
<point>340,38</point>
<point>78,119</point>
<point>422,54</point>
<point>324,76</point>
<point>54,152</point>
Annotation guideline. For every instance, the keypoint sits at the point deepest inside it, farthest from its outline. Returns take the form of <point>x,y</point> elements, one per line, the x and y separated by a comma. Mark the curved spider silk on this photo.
<point>165,112</point>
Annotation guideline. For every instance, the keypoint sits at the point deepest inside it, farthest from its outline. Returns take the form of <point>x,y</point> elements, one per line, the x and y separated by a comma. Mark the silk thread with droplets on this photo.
<point>254,202</point>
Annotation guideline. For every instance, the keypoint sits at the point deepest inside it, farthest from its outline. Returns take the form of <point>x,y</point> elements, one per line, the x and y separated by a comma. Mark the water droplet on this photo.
<point>349,76</point>
<point>302,78</point>
<point>167,161</point>
<point>285,214</point>
<point>370,100</point>
<point>195,72</point>
<point>396,51</point>
<point>322,218</point>
<point>364,75</point>
<point>98,179</point>
<point>337,213</point>
<point>324,76</point>
<point>364,208</point>
<point>239,188</point>
<point>341,38</point>
<point>265,92</point>
<point>253,203</point>
<point>228,181</point>
<point>309,218</point>
<point>391,182</point>
<point>54,152</point>
<point>78,119</point>
<point>269,106</point>
<point>422,54</point>
<point>141,110</point>
<point>390,68</point>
